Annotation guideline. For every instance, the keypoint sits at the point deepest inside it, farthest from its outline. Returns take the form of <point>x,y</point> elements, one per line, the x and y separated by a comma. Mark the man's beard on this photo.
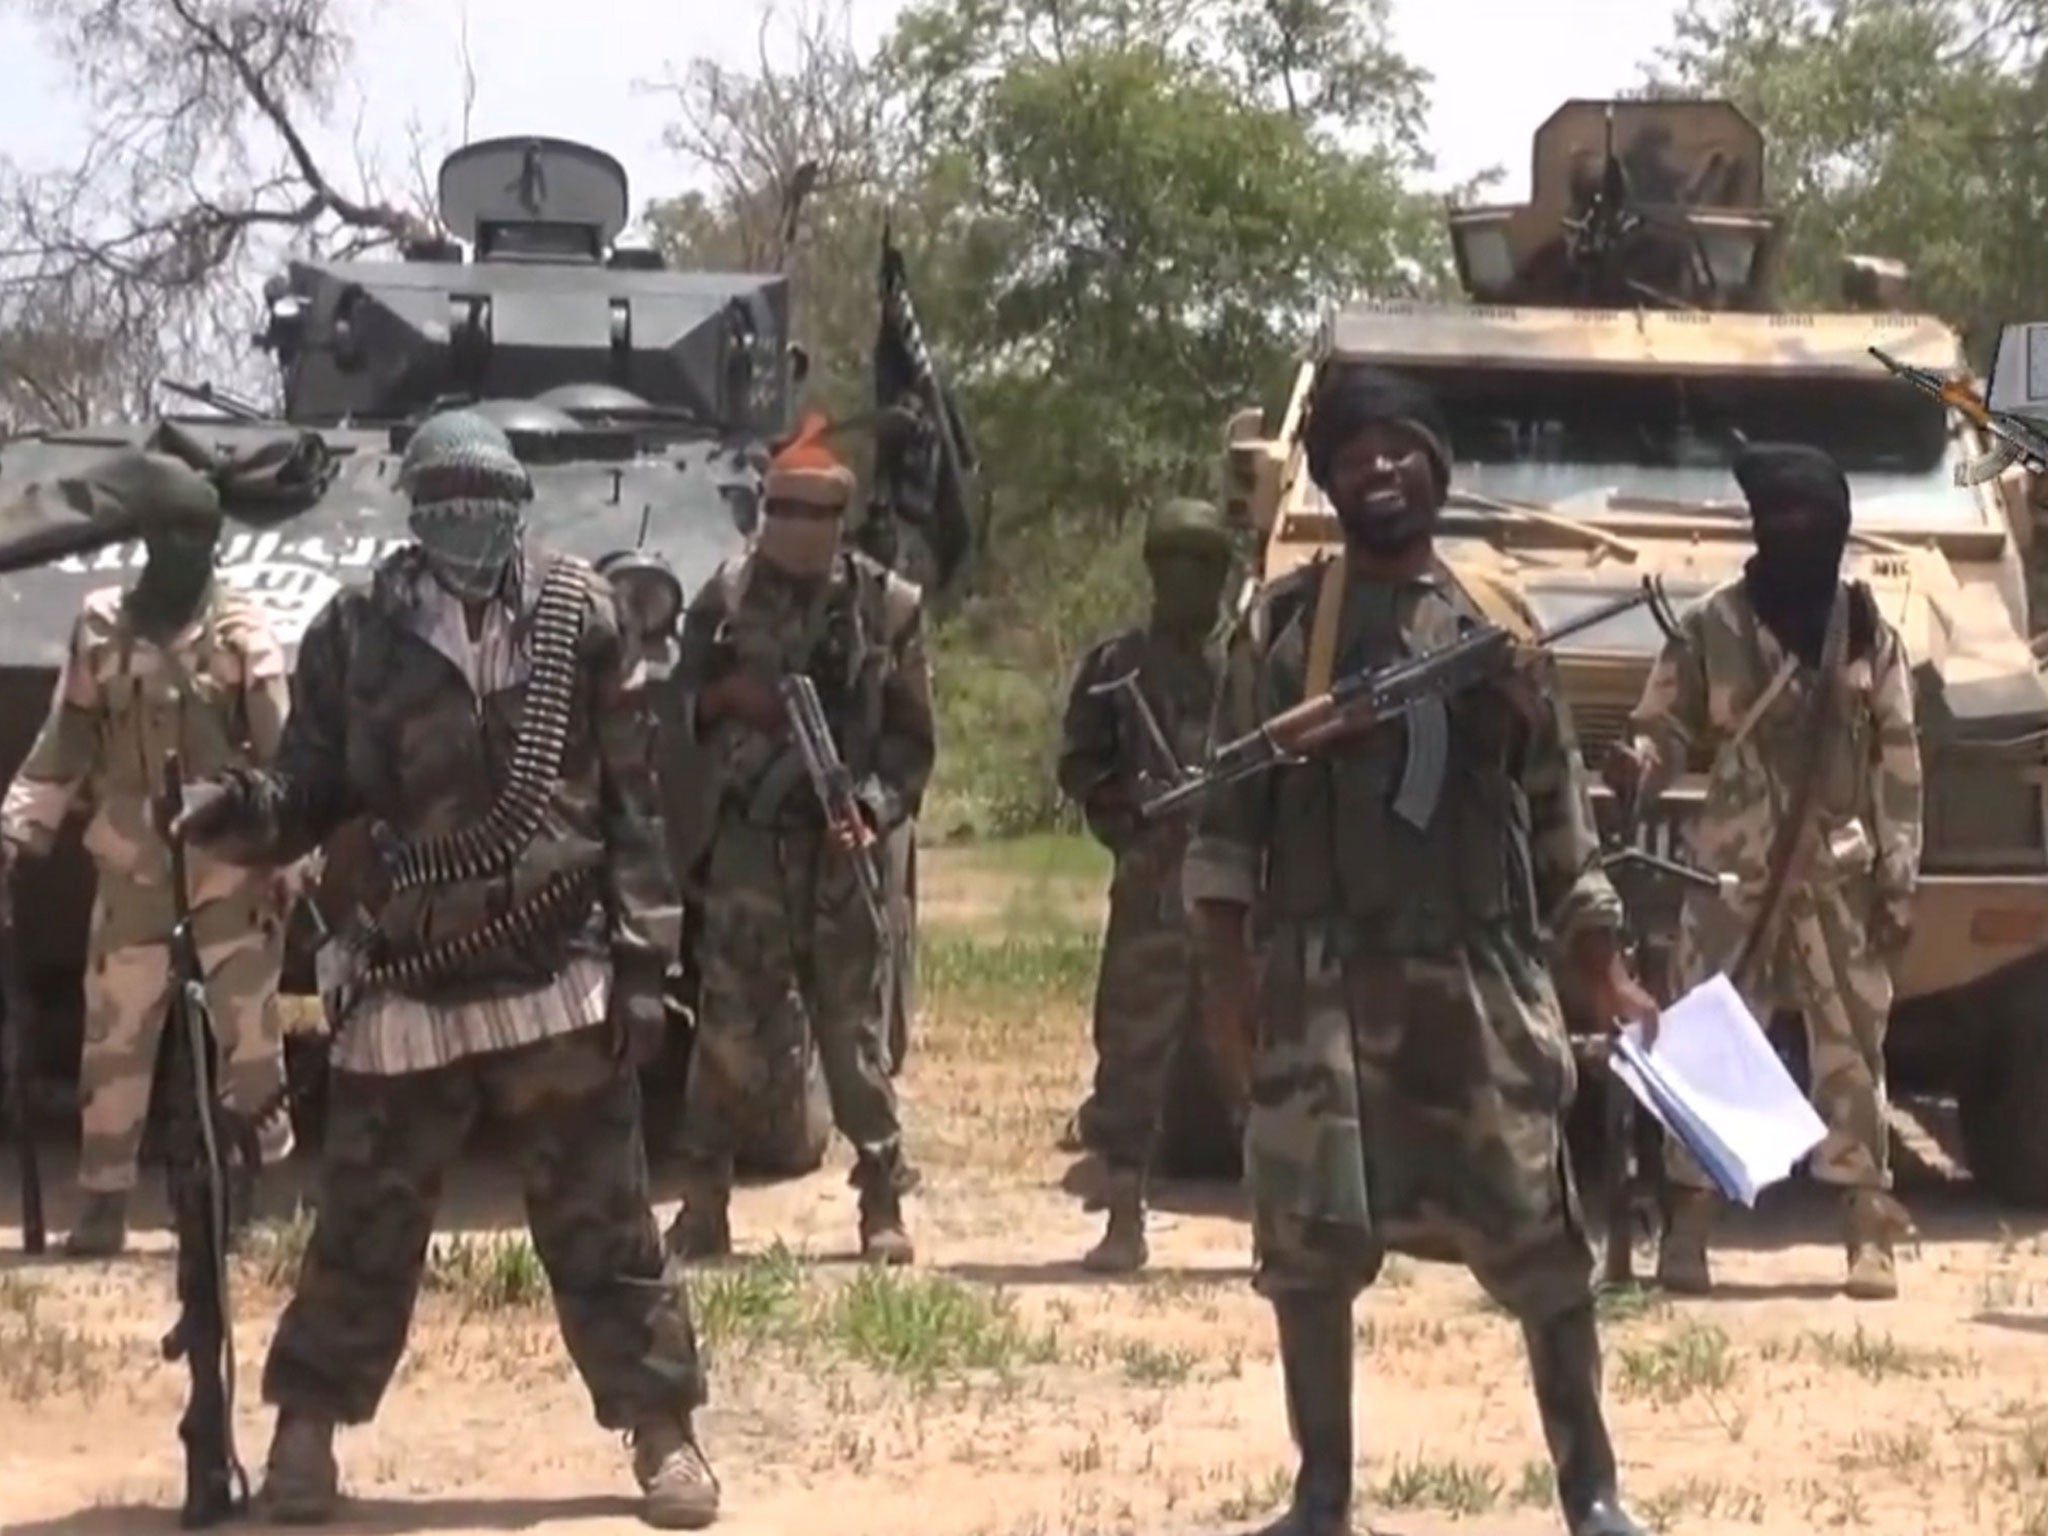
<point>1387,531</point>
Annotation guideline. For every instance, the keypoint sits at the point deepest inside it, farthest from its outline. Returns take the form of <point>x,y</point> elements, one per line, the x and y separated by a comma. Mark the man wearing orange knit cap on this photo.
<point>787,948</point>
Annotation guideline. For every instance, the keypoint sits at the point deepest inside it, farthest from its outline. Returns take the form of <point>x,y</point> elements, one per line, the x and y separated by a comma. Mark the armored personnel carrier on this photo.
<point>1619,341</point>
<point>643,400</point>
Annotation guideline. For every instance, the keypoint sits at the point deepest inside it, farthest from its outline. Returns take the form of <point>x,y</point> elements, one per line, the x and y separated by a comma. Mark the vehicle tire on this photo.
<point>1197,1141</point>
<point>2004,1131</point>
<point>789,1142</point>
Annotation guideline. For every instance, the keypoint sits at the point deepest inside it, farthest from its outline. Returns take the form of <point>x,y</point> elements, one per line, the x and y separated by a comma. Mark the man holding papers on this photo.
<point>1411,1067</point>
<point>1799,693</point>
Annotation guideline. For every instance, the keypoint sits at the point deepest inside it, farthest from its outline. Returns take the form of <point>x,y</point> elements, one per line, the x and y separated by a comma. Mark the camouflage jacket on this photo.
<point>1726,694</point>
<point>1103,746</point>
<point>386,727</point>
<point>1510,849</point>
<point>215,694</point>
<point>860,638</point>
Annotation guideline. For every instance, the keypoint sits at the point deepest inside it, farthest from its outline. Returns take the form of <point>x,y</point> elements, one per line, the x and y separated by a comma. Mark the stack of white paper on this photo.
<point>1714,1082</point>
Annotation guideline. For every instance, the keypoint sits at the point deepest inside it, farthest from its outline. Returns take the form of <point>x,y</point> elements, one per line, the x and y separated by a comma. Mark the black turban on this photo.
<point>1778,476</point>
<point>1352,397</point>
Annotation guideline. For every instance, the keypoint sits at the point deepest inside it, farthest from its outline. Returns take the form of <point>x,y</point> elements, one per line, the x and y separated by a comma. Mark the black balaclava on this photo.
<point>179,514</point>
<point>1346,401</point>
<point>1799,507</point>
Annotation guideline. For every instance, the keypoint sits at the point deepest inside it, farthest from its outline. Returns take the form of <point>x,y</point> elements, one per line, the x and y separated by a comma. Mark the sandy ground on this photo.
<point>997,1390</point>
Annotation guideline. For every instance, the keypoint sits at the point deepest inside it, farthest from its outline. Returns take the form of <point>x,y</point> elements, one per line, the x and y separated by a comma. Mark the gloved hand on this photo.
<point>209,806</point>
<point>638,1021</point>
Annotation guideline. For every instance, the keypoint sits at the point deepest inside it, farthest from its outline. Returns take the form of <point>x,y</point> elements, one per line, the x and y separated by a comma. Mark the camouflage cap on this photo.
<point>460,456</point>
<point>1186,523</point>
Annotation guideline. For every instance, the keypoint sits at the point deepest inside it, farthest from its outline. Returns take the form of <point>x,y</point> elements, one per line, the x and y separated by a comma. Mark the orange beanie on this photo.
<point>807,471</point>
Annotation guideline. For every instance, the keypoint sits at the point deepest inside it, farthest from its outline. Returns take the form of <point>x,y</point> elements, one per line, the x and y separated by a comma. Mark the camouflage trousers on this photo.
<point>1413,1106</point>
<point>127,1000</point>
<point>1825,969</point>
<point>575,1105</point>
<point>787,953</point>
<point>1146,996</point>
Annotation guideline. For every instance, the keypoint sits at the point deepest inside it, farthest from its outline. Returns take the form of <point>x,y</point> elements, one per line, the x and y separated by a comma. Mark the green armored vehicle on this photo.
<point>643,401</point>
<point>1618,341</point>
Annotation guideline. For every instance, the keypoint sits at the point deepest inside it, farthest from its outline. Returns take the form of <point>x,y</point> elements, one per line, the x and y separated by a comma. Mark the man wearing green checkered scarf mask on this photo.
<point>469,494</point>
<point>1147,991</point>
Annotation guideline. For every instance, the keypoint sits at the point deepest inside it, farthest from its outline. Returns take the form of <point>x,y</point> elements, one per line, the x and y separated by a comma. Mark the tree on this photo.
<point>137,254</point>
<point>1905,128</point>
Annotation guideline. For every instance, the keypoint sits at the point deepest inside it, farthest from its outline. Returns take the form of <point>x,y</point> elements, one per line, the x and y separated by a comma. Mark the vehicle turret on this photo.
<point>547,295</point>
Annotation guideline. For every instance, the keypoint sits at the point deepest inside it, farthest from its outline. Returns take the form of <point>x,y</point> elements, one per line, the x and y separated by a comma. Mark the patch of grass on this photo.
<point>1697,1358</point>
<point>1039,857</point>
<point>487,1274</point>
<point>1047,966</point>
<point>1628,1304</point>
<point>1876,1356</point>
<point>1150,1366</point>
<point>1462,1487</point>
<point>272,1251</point>
<point>743,1304</point>
<point>925,1326</point>
<point>40,1358</point>
<point>1537,1487</point>
<point>1257,1496</point>
<point>1701,1498</point>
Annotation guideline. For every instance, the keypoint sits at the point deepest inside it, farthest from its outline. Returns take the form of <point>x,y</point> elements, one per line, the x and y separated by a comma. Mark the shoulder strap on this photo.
<point>1792,847</point>
<point>1496,601</point>
<point>1322,635</point>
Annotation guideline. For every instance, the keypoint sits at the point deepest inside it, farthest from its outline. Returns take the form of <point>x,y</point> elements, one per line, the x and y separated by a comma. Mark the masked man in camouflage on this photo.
<point>176,664</point>
<point>1733,690</point>
<point>1146,998</point>
<point>787,943</point>
<point>476,703</point>
<point>1411,1067</point>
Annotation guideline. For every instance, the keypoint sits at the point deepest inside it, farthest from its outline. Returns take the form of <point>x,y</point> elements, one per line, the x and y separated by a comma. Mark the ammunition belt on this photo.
<point>487,847</point>
<point>562,897</point>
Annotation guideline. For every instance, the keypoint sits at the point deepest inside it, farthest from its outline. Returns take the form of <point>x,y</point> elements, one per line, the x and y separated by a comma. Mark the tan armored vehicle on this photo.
<point>1619,343</point>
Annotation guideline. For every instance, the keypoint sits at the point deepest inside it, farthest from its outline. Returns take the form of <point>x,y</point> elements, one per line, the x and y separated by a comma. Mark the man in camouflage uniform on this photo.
<point>1411,1067</point>
<point>1736,683</point>
<point>178,663</point>
<point>787,942</point>
<point>1146,997</point>
<point>478,705</point>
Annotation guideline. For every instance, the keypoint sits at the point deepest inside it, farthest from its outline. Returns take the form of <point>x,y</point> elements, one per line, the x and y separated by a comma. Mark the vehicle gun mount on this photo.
<point>1632,204</point>
<point>551,295</point>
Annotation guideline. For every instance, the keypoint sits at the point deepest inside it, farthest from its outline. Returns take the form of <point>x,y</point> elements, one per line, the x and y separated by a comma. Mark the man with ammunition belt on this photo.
<point>1147,994</point>
<point>1406,882</point>
<point>788,942</point>
<point>1802,693</point>
<point>179,663</point>
<point>478,705</point>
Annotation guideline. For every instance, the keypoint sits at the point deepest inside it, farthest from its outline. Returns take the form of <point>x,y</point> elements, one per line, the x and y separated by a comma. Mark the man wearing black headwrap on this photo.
<point>1411,1069</point>
<point>1735,687</point>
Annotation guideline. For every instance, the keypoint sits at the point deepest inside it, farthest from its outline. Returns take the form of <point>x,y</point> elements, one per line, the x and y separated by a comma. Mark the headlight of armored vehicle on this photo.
<point>650,597</point>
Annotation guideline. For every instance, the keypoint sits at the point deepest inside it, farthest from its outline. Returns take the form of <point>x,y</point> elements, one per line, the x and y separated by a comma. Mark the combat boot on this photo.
<point>702,1228</point>
<point>1873,1220</point>
<point>1122,1248</point>
<point>101,1230</point>
<point>1564,1364</point>
<point>882,1182</point>
<point>1315,1371</point>
<point>680,1487</point>
<point>301,1483</point>
<point>1682,1265</point>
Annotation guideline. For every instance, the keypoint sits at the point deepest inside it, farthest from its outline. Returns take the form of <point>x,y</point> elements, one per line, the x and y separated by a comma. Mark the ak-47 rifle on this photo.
<point>833,783</point>
<point>2016,439</point>
<point>1364,698</point>
<point>18,1021</point>
<point>216,1486</point>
